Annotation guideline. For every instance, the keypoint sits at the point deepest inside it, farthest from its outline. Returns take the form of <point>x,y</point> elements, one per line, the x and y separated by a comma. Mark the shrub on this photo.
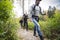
<point>7,23</point>
<point>30,25</point>
<point>51,27</point>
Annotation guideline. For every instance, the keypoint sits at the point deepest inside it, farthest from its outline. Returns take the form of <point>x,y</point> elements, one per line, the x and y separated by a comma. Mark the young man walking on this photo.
<point>35,10</point>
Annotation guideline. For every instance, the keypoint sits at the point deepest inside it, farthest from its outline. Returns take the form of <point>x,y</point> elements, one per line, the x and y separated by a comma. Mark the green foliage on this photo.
<point>41,17</point>
<point>30,25</point>
<point>5,10</point>
<point>51,27</point>
<point>8,25</point>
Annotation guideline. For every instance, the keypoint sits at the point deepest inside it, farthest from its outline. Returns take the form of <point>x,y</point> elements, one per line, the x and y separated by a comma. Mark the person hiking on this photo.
<point>34,12</point>
<point>25,17</point>
<point>21,22</point>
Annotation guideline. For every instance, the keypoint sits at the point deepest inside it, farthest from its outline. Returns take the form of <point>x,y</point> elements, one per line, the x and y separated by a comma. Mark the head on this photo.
<point>49,6</point>
<point>37,2</point>
<point>23,14</point>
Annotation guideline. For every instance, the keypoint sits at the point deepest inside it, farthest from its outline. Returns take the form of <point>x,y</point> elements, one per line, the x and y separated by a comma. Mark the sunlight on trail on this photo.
<point>26,35</point>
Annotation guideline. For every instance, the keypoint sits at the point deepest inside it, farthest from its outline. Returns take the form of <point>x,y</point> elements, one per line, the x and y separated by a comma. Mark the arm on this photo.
<point>41,12</point>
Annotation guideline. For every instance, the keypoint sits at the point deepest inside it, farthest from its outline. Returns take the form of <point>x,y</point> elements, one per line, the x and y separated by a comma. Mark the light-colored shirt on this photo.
<point>36,12</point>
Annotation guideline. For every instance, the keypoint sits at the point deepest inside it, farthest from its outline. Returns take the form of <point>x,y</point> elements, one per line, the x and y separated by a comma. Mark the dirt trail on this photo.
<point>26,35</point>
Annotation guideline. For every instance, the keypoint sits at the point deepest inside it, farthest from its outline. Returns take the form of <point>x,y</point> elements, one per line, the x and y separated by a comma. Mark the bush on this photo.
<point>51,27</point>
<point>30,25</point>
<point>7,21</point>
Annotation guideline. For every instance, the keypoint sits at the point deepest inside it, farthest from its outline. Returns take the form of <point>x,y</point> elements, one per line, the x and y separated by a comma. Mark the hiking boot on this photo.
<point>35,35</point>
<point>41,37</point>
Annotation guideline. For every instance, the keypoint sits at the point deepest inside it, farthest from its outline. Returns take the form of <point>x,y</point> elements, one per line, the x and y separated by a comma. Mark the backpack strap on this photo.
<point>33,9</point>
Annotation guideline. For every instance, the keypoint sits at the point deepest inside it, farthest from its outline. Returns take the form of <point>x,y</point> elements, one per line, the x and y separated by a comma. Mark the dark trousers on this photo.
<point>21,24</point>
<point>26,25</point>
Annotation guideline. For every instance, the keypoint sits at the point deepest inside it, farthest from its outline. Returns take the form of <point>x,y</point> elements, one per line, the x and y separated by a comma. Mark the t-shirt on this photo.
<point>36,12</point>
